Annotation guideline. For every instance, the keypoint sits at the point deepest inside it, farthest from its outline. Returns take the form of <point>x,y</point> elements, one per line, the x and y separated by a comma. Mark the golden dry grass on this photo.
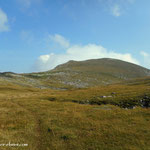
<point>49,120</point>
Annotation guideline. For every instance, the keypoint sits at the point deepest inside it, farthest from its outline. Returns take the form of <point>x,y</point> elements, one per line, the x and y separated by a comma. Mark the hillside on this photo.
<point>110,117</point>
<point>90,73</point>
<point>98,72</point>
<point>80,74</point>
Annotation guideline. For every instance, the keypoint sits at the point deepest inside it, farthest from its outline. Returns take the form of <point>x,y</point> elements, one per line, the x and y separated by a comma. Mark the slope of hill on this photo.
<point>106,66</point>
<point>110,117</point>
<point>93,72</point>
<point>80,74</point>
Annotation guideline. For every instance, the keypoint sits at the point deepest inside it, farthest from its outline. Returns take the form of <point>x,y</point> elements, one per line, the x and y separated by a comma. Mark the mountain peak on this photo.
<point>99,71</point>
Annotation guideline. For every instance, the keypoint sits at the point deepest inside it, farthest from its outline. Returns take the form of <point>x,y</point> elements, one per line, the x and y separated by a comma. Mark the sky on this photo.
<point>38,35</point>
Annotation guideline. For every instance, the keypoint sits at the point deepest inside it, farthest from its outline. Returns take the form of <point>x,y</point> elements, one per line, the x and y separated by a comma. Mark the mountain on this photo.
<point>105,66</point>
<point>81,74</point>
<point>98,72</point>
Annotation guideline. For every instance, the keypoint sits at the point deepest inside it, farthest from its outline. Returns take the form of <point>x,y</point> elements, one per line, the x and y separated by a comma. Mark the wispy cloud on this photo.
<point>145,54</point>
<point>146,58</point>
<point>79,53</point>
<point>59,40</point>
<point>25,3</point>
<point>118,7</point>
<point>27,36</point>
<point>3,21</point>
<point>116,11</point>
<point>114,8</point>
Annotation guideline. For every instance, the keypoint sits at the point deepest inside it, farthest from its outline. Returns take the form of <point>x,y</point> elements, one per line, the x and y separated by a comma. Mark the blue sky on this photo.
<point>37,35</point>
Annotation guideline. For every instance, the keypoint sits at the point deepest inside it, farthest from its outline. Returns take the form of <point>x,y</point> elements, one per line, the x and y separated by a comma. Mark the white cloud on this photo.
<point>79,53</point>
<point>3,21</point>
<point>58,39</point>
<point>119,7</point>
<point>44,58</point>
<point>144,54</point>
<point>146,59</point>
<point>116,10</point>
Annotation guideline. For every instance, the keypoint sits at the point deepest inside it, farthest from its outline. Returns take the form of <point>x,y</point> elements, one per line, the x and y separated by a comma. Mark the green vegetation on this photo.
<point>49,119</point>
<point>38,110</point>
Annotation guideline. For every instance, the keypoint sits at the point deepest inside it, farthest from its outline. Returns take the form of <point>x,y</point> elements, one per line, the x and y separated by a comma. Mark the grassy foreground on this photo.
<point>52,120</point>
